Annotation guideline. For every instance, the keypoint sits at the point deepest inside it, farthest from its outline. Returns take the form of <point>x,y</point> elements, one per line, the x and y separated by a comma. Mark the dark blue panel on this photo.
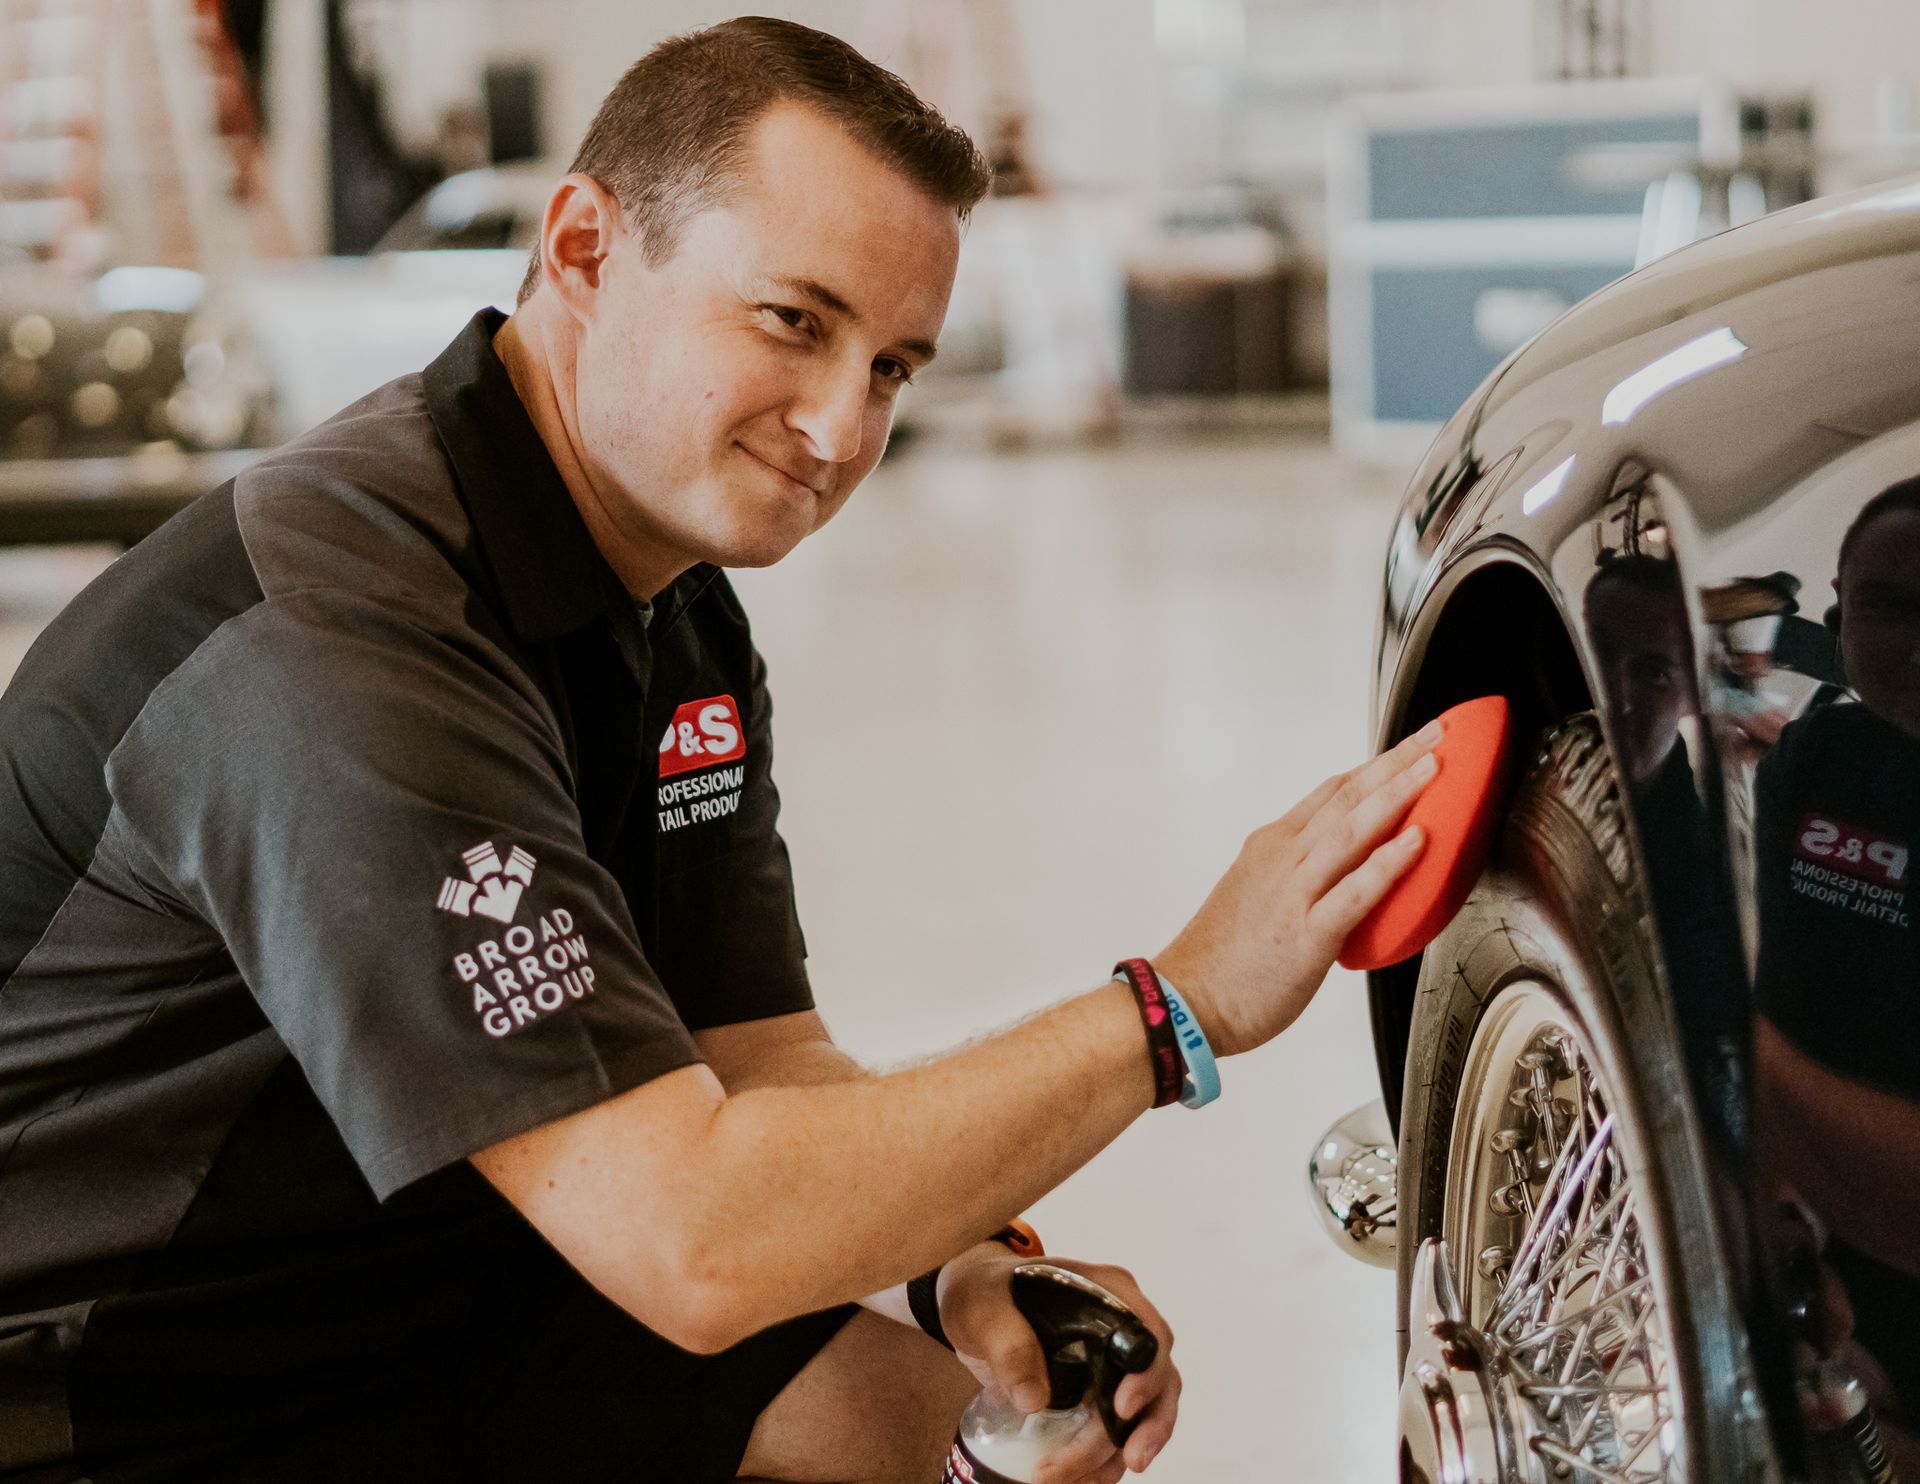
<point>1426,358</point>
<point>1507,169</point>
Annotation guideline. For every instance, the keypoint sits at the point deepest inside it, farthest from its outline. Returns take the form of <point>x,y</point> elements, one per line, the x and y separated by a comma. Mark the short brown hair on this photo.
<point>671,135</point>
<point>1904,495</point>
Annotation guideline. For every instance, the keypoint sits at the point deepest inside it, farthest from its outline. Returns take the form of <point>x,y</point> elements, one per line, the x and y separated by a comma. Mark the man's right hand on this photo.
<point>1258,948</point>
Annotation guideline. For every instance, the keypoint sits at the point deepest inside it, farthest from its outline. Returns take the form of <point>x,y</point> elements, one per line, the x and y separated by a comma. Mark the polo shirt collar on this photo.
<point>551,576</point>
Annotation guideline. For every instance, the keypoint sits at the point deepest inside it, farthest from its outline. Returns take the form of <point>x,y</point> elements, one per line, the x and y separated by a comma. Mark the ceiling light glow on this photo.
<point>1676,366</point>
<point>1547,487</point>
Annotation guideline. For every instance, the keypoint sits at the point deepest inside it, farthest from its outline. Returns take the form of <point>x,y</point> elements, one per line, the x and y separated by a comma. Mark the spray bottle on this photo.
<point>1092,1342</point>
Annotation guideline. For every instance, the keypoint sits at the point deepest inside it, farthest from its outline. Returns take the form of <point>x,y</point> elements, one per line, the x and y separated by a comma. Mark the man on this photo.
<point>401,816</point>
<point>1837,1041</point>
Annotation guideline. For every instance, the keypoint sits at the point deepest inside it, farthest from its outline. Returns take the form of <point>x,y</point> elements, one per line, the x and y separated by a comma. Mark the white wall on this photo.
<point>1098,87</point>
<point>1843,51</point>
<point>1089,64</point>
<point>1100,91</point>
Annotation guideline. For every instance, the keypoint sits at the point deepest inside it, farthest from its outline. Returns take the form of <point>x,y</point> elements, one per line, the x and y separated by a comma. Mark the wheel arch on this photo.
<point>1492,626</point>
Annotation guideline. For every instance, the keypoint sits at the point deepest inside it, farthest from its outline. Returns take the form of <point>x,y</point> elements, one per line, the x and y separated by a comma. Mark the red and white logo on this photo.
<point>701,735</point>
<point>1858,853</point>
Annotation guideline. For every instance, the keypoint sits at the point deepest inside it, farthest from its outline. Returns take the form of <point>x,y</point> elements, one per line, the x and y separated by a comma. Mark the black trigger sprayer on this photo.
<point>1092,1342</point>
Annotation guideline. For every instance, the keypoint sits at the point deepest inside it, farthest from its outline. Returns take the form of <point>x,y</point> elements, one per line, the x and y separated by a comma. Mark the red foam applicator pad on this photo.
<point>1458,810</point>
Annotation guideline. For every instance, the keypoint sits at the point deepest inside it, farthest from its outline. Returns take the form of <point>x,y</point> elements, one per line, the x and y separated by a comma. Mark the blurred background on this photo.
<point>1117,580</point>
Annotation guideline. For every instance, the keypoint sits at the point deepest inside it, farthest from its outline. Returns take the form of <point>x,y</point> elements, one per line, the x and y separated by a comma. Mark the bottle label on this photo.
<point>964,1468</point>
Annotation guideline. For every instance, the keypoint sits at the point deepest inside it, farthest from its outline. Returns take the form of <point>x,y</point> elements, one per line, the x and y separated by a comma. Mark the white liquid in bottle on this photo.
<point>1000,1444</point>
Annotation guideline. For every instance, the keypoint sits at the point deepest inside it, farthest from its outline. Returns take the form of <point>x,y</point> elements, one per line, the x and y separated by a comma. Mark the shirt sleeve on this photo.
<point>379,822</point>
<point>730,947</point>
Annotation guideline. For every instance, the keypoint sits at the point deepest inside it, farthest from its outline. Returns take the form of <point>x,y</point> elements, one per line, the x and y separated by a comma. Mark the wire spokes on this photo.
<point>1569,1303</point>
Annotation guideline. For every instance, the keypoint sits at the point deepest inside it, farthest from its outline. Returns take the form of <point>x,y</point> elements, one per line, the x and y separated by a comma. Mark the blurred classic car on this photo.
<point>330,330</point>
<point>1647,1163</point>
<point>121,399</point>
<point>126,396</point>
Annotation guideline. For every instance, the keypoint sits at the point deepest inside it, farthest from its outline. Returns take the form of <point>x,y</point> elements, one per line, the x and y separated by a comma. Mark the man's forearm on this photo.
<point>807,1063</point>
<point>818,1062</point>
<point>1807,1110</point>
<point>824,1194</point>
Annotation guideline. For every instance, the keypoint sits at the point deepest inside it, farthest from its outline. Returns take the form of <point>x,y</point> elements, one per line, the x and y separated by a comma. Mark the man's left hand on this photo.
<point>995,1342</point>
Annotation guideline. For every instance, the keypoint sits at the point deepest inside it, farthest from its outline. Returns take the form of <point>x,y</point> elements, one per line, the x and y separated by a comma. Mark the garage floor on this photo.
<point>1027,707</point>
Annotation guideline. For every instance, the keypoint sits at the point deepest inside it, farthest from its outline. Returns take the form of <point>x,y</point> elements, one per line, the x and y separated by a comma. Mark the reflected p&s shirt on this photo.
<point>1837,814</point>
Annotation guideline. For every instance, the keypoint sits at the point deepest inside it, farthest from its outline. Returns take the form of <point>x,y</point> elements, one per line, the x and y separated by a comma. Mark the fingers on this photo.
<point>1296,818</point>
<point>1014,1356</point>
<point>1111,1471</point>
<point>1149,1399</point>
<point>988,1331</point>
<point>1090,1455</point>
<point>1338,912</point>
<point>1365,780</point>
<point>1155,1427</point>
<point>1345,841</point>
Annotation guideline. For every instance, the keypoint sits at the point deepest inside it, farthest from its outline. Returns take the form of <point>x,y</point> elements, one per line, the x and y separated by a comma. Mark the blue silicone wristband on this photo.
<point>1203,1072</point>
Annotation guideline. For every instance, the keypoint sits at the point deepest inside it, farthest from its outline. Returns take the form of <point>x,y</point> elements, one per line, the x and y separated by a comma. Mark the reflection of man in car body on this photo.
<point>1837,1047</point>
<point>1644,647</point>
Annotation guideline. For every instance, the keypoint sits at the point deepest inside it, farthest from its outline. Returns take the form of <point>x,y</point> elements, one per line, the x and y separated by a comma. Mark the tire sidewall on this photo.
<point>1558,907</point>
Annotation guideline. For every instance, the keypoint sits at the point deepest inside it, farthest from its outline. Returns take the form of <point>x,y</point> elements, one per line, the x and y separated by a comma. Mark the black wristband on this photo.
<point>923,1293</point>
<point>1163,1052</point>
<point>923,1297</point>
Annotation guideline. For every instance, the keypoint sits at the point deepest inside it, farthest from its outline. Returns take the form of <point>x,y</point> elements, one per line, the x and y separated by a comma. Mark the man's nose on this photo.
<point>830,412</point>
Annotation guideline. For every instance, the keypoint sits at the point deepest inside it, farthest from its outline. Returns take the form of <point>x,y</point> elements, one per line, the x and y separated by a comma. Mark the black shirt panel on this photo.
<point>384,1294</point>
<point>79,686</point>
<point>422,923</point>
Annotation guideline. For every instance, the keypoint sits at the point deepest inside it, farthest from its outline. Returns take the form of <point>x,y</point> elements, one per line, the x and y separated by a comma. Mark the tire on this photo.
<point>1557,932</point>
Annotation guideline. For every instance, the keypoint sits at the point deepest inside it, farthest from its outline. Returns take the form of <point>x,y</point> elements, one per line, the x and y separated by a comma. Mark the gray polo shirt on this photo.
<point>352,823</point>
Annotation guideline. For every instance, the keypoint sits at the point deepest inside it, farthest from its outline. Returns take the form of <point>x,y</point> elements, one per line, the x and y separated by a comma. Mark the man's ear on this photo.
<point>580,227</point>
<point>1832,620</point>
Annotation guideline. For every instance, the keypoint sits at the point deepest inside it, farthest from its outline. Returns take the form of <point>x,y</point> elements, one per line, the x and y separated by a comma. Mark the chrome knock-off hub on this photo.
<point>1456,1419</point>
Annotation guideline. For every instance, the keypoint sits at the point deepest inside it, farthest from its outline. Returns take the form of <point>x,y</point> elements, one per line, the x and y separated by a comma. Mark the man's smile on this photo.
<point>812,486</point>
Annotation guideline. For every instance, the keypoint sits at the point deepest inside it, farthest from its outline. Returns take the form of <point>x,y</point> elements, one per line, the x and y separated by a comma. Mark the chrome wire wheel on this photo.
<point>1557,1278</point>
<point>1565,1288</point>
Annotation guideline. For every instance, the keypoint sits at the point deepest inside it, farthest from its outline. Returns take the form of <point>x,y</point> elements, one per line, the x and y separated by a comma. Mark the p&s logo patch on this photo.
<point>1855,870</point>
<point>701,771</point>
<point>701,734</point>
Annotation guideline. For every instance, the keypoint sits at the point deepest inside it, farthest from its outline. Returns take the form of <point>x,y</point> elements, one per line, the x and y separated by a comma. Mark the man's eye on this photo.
<point>890,370</point>
<point>1887,610</point>
<point>793,319</point>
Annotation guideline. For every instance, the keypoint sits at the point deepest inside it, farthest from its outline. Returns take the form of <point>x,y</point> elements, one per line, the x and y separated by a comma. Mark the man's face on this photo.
<point>1643,653</point>
<point>1880,617</point>
<point>730,399</point>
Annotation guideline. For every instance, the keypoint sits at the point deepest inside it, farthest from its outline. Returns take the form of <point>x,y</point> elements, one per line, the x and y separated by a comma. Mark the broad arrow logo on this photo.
<point>493,889</point>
